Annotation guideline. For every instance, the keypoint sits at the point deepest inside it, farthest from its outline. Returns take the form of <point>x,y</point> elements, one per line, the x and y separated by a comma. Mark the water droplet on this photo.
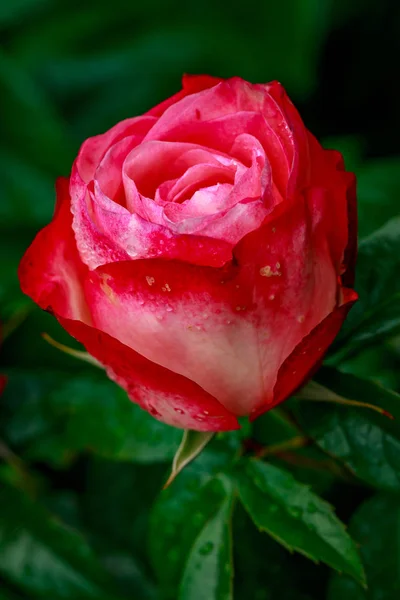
<point>206,412</point>
<point>199,418</point>
<point>153,411</point>
<point>206,549</point>
<point>150,280</point>
<point>159,317</point>
<point>271,296</point>
<point>169,308</point>
<point>301,318</point>
<point>228,322</point>
<point>179,411</point>
<point>141,302</point>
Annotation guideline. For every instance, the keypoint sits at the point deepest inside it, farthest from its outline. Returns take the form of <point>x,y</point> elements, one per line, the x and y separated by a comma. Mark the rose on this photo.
<point>202,252</point>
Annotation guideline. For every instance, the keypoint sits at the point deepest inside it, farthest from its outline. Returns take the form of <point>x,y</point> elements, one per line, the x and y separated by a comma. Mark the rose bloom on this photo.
<point>202,252</point>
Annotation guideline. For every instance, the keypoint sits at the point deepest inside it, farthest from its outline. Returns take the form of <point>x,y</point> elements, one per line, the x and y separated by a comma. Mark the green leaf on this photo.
<point>209,570</point>
<point>368,443</point>
<point>376,527</point>
<point>377,313</point>
<point>52,416</point>
<point>41,556</point>
<point>378,191</point>
<point>182,511</point>
<point>296,517</point>
<point>193,442</point>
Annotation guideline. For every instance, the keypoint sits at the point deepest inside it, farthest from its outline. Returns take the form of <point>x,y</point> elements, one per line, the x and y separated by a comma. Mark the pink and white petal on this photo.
<point>198,177</point>
<point>229,225</point>
<point>294,285</point>
<point>108,175</point>
<point>94,244</point>
<point>51,271</point>
<point>182,318</point>
<point>229,330</point>
<point>94,148</point>
<point>205,202</point>
<point>167,396</point>
<point>221,132</point>
<point>107,232</point>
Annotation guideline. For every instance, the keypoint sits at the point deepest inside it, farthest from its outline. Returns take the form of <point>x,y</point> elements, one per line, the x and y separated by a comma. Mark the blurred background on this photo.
<point>70,69</point>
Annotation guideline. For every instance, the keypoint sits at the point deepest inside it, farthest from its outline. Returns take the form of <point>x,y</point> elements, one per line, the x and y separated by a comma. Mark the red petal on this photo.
<point>51,271</point>
<point>306,358</point>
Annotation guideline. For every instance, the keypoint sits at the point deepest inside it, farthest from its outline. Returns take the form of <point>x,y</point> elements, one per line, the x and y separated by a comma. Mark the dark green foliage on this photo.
<point>82,510</point>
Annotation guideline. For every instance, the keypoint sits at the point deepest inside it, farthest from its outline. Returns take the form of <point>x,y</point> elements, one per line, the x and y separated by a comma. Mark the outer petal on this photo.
<point>306,358</point>
<point>167,396</point>
<point>52,274</point>
<point>229,330</point>
<point>51,271</point>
